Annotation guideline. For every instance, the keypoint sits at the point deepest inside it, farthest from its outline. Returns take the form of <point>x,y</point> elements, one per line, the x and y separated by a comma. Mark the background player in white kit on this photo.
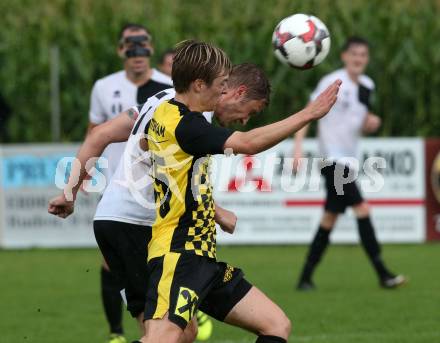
<point>111,95</point>
<point>338,135</point>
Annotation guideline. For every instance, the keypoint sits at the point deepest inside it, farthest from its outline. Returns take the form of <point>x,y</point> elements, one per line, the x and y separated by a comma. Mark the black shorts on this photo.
<point>182,283</point>
<point>124,247</point>
<point>337,203</point>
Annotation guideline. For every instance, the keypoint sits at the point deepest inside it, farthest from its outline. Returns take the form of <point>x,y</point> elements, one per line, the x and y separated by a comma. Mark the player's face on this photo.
<point>139,64</point>
<point>356,59</point>
<point>210,95</point>
<point>234,108</point>
<point>167,64</point>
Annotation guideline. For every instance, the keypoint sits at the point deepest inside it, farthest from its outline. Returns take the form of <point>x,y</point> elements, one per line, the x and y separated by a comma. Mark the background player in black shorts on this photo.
<point>338,135</point>
<point>111,95</point>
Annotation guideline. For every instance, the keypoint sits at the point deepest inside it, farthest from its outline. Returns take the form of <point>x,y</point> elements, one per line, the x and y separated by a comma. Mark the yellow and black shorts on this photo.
<point>182,283</point>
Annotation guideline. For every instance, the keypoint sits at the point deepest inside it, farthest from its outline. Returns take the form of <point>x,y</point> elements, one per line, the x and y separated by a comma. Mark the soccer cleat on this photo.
<point>204,326</point>
<point>304,285</point>
<point>393,281</point>
<point>116,338</point>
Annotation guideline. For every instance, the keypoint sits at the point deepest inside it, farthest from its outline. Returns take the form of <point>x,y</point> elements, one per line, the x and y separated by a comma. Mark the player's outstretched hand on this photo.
<point>60,206</point>
<point>325,101</point>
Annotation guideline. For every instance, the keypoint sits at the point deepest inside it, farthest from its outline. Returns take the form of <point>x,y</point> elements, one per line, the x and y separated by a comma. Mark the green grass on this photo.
<point>53,295</point>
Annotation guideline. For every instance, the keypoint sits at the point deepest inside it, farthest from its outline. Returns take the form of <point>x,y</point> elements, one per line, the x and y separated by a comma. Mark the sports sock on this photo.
<point>112,301</point>
<point>270,339</point>
<point>316,250</point>
<point>371,246</point>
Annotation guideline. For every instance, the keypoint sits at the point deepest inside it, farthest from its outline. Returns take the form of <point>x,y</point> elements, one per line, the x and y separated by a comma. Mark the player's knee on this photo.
<point>279,326</point>
<point>163,331</point>
<point>328,220</point>
<point>286,327</point>
<point>362,210</point>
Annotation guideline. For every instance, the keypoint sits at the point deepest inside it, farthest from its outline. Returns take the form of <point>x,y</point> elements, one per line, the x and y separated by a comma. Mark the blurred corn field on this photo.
<point>404,35</point>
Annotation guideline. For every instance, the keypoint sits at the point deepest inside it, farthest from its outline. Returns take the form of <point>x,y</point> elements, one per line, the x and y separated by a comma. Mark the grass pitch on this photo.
<point>53,295</point>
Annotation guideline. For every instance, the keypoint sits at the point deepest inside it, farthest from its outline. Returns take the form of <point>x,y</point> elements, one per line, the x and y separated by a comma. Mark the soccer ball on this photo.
<point>302,41</point>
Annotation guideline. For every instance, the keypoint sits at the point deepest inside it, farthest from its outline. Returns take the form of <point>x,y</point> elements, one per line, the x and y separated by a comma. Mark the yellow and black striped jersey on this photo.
<point>180,143</point>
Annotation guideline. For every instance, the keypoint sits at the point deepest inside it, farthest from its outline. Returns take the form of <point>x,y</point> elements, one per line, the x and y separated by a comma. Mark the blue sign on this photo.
<point>31,171</point>
<point>37,171</point>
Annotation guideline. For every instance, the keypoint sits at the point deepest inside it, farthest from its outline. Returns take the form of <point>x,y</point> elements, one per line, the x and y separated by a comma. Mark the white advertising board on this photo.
<point>274,206</point>
<point>27,182</point>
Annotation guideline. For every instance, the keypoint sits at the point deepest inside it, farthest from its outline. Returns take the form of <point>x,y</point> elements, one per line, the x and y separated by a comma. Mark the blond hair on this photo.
<point>197,60</point>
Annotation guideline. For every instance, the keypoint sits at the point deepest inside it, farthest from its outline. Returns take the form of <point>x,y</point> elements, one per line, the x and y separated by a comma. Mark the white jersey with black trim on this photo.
<point>340,129</point>
<point>116,93</point>
<point>129,196</point>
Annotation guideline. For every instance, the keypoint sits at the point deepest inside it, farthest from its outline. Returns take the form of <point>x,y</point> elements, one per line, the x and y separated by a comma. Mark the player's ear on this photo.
<point>151,47</point>
<point>241,91</point>
<point>343,56</point>
<point>197,85</point>
<point>120,50</point>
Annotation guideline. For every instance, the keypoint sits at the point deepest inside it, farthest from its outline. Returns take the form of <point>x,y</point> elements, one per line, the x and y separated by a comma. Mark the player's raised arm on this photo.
<point>265,137</point>
<point>116,130</point>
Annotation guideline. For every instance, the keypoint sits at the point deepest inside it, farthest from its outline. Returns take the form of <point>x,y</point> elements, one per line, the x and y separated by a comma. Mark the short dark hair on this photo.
<point>132,27</point>
<point>254,78</point>
<point>167,52</point>
<point>197,60</point>
<point>354,40</point>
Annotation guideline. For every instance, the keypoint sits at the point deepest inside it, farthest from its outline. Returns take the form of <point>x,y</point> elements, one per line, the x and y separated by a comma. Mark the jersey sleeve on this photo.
<point>96,113</point>
<point>366,92</point>
<point>198,137</point>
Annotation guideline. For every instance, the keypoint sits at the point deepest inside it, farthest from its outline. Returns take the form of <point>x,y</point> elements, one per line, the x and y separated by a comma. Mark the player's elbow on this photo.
<point>250,149</point>
<point>100,136</point>
<point>240,143</point>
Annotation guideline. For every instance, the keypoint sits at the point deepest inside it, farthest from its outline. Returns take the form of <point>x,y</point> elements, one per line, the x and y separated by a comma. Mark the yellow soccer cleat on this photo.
<point>204,326</point>
<point>116,338</point>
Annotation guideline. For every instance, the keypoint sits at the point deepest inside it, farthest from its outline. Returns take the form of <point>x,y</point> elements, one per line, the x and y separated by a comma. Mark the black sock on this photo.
<point>270,339</point>
<point>112,301</point>
<point>316,250</point>
<point>371,246</point>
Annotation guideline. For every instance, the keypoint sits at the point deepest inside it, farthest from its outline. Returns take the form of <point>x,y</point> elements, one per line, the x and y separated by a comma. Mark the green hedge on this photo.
<point>405,37</point>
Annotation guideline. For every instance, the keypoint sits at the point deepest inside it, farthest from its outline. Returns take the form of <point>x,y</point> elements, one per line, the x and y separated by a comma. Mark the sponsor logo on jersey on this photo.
<point>158,128</point>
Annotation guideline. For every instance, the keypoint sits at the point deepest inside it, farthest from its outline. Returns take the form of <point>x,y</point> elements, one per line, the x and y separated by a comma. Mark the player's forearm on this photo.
<point>219,211</point>
<point>300,135</point>
<point>90,127</point>
<point>92,147</point>
<point>116,130</point>
<point>226,219</point>
<point>263,138</point>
